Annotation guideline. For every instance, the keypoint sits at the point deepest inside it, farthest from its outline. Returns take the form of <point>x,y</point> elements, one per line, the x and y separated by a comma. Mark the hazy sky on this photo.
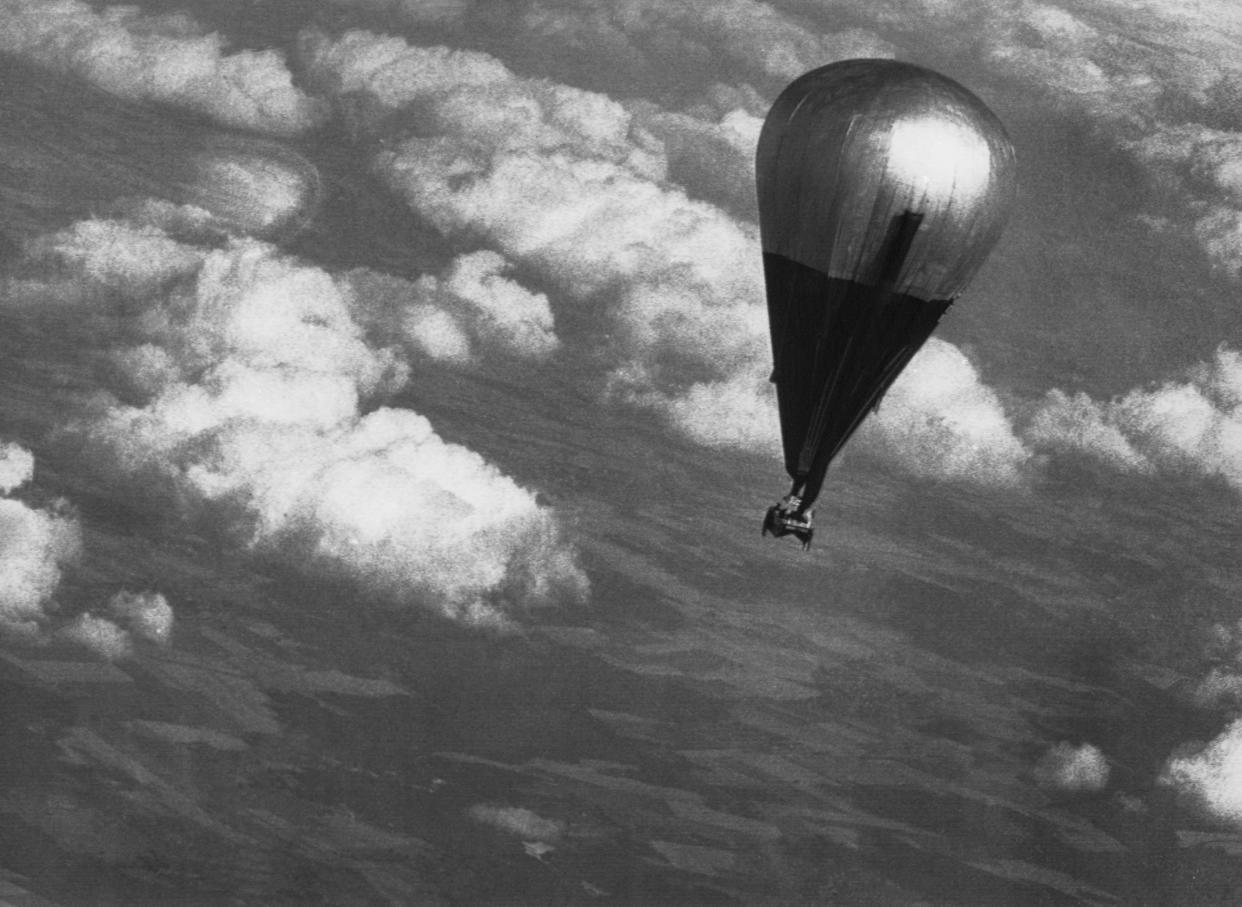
<point>583,171</point>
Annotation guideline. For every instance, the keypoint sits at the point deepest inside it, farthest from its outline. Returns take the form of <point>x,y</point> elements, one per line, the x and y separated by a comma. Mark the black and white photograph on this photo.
<point>660,453</point>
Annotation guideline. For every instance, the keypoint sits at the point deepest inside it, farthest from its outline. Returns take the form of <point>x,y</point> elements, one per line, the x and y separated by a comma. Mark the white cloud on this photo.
<point>116,255</point>
<point>1211,774</point>
<point>517,820</point>
<point>253,374</point>
<point>35,545</point>
<point>1073,768</point>
<point>147,614</point>
<point>559,181</point>
<point>387,70</point>
<point>940,420</point>
<point>504,312</point>
<point>1075,423</point>
<point>738,412</point>
<point>158,58</point>
<point>1193,425</point>
<point>473,302</point>
<point>16,466</point>
<point>100,635</point>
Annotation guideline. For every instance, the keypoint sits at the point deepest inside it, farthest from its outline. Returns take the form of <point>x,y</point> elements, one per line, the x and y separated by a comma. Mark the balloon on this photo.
<point>882,187</point>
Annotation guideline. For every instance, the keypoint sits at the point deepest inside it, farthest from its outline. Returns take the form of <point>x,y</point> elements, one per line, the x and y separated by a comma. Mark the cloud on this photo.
<point>1190,426</point>
<point>35,546</point>
<point>517,820</point>
<point>100,635</point>
<point>16,466</point>
<point>1067,767</point>
<point>559,181</point>
<point>246,395</point>
<point>1211,774</point>
<point>472,303</point>
<point>168,59</point>
<point>940,420</point>
<point>635,39</point>
<point>757,37</point>
<point>116,256</point>
<point>381,74</point>
<point>147,614</point>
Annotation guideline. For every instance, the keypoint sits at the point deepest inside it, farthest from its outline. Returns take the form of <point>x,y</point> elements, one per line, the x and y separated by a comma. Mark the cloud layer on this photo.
<point>246,391</point>
<point>166,58</point>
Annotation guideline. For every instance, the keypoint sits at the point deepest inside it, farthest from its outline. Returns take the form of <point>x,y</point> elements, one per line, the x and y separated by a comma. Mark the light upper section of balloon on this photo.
<point>848,148</point>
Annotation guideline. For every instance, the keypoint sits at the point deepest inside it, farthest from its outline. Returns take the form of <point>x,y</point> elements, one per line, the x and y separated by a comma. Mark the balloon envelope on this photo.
<point>882,187</point>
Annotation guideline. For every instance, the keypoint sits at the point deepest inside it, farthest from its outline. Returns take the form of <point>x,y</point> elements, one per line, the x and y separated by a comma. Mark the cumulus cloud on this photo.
<point>562,182</point>
<point>517,820</point>
<point>35,545</point>
<point>1067,767</point>
<point>16,466</point>
<point>1211,774</point>
<point>100,635</point>
<point>169,59</point>
<point>940,420</point>
<point>246,393</point>
<point>1193,425</point>
<point>147,614</point>
<point>472,303</point>
<point>116,256</point>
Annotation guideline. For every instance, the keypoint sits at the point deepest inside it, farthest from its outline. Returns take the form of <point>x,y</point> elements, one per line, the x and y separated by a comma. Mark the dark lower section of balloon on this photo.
<point>838,345</point>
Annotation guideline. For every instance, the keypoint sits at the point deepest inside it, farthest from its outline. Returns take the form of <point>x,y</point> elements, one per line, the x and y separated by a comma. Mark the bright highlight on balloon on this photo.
<point>939,158</point>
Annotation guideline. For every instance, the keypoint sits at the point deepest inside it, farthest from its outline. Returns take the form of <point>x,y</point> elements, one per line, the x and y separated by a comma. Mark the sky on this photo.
<point>272,233</point>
